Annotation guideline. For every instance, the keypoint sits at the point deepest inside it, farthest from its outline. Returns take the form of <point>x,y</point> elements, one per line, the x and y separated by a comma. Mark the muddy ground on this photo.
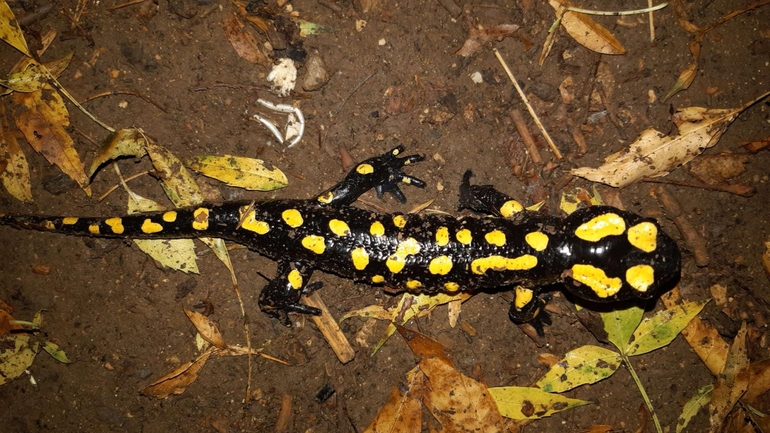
<point>398,80</point>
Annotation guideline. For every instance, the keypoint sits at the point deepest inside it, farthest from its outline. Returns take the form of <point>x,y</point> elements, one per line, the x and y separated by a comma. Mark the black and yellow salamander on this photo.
<point>601,254</point>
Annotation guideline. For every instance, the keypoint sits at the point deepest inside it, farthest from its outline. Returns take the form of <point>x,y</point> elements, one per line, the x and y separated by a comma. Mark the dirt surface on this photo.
<point>398,80</point>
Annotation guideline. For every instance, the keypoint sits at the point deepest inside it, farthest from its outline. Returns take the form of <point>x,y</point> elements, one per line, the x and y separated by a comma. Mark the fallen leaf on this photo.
<point>732,382</point>
<point>483,37</point>
<point>10,32</point>
<point>206,328</point>
<point>756,145</point>
<point>581,366</point>
<point>403,410</point>
<point>56,352</point>
<point>715,169</point>
<point>655,154</point>
<point>244,43</point>
<point>17,354</point>
<point>520,403</point>
<point>587,32</point>
<point>698,401</point>
<point>248,173</point>
<point>177,381</point>
<point>15,174</point>
<point>683,82</point>
<point>766,259</point>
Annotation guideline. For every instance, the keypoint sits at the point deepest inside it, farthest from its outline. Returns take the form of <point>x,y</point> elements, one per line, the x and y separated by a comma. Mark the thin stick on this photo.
<point>124,92</point>
<point>114,187</point>
<point>526,137</point>
<point>652,22</point>
<point>618,13</point>
<point>531,110</point>
<point>126,4</point>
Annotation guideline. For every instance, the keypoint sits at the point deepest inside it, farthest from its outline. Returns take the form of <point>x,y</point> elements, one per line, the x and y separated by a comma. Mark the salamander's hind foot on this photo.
<point>531,312</point>
<point>383,173</point>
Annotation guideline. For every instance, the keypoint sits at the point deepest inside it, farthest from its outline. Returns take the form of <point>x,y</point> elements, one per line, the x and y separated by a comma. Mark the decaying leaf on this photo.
<point>732,383</point>
<point>519,402</point>
<point>715,169</point>
<point>10,32</point>
<point>206,328</point>
<point>249,173</point>
<point>17,354</point>
<point>698,401</point>
<point>42,116</point>
<point>403,410</point>
<point>14,170</point>
<point>581,366</point>
<point>655,154</point>
<point>177,381</point>
<point>482,37</point>
<point>244,43</point>
<point>587,32</point>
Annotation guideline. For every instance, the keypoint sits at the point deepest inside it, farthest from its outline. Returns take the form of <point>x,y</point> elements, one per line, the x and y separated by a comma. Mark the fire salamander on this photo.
<point>601,254</point>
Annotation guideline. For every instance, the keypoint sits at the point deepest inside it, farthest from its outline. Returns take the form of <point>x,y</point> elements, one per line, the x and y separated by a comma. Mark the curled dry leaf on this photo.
<point>587,32</point>
<point>244,43</point>
<point>655,154</point>
<point>206,328</point>
<point>480,38</point>
<point>177,381</point>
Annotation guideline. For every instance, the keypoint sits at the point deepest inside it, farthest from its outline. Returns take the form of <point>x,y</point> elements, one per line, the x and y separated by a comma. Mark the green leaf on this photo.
<point>620,325</point>
<point>519,402</point>
<point>248,173</point>
<point>584,365</point>
<point>57,353</point>
<point>659,330</point>
<point>701,399</point>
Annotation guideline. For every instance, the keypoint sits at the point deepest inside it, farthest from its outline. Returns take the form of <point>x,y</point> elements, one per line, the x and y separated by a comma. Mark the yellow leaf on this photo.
<point>701,399</point>
<point>32,78</point>
<point>584,365</point>
<point>42,116</point>
<point>15,175</point>
<point>56,352</point>
<point>248,173</point>
<point>531,403</point>
<point>660,329</point>
<point>403,410</point>
<point>121,143</point>
<point>17,354</point>
<point>620,325</point>
<point>732,382</point>
<point>10,32</point>
<point>588,32</point>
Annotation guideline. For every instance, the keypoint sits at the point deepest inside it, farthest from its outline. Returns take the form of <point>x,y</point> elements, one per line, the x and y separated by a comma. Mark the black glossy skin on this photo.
<point>283,242</point>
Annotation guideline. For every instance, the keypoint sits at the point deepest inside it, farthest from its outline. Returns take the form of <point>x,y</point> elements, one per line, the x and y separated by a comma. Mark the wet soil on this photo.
<point>398,80</point>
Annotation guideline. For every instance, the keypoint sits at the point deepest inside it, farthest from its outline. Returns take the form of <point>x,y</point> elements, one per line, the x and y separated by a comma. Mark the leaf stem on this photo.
<point>645,397</point>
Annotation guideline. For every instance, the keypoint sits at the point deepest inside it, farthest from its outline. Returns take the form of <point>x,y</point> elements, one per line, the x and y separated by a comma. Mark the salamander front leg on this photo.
<point>529,308</point>
<point>282,294</point>
<point>486,199</point>
<point>383,173</point>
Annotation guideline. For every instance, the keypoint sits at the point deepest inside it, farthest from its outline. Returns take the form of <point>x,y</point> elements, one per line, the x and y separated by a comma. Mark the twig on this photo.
<point>126,4</point>
<point>529,142</point>
<point>531,110</point>
<point>114,187</point>
<point>124,92</point>
<point>618,13</point>
<point>691,236</point>
<point>737,189</point>
<point>652,22</point>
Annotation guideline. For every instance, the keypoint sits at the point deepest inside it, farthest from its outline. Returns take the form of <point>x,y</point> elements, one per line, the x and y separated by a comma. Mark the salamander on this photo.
<point>599,253</point>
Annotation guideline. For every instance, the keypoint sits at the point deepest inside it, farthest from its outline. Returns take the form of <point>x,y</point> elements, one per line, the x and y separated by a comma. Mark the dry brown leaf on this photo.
<point>759,382</point>
<point>423,346</point>
<point>715,169</point>
<point>206,328</point>
<point>42,116</point>
<point>756,145</point>
<point>766,259</point>
<point>731,383</point>
<point>403,410</point>
<point>683,82</point>
<point>178,380</point>
<point>458,402</point>
<point>244,43</point>
<point>655,154</point>
<point>483,37</point>
<point>587,32</point>
<point>702,337</point>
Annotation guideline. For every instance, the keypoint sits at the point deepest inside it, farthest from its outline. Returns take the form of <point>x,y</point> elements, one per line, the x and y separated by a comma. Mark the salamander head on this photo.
<point>615,255</point>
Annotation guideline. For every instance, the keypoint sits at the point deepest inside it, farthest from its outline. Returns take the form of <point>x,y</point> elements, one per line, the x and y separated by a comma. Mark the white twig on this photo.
<point>616,13</point>
<point>283,108</point>
<point>269,125</point>
<point>301,120</point>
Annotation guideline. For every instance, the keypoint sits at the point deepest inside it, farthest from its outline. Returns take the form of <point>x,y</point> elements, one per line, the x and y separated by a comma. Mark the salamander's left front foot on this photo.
<point>383,173</point>
<point>530,310</point>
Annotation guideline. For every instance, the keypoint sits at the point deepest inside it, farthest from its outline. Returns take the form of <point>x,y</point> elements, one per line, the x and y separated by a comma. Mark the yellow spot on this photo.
<point>395,152</point>
<point>377,279</point>
<point>94,229</point>
<point>644,236</point>
<point>598,228</point>
<point>537,240</point>
<point>169,216</point>
<point>364,169</point>
<point>326,198</point>
<point>399,221</point>
<point>406,180</point>
<point>292,218</point>
<point>339,228</point>
<point>495,237</point>
<point>250,223</point>
<point>201,219</point>
<point>116,224</point>
<point>510,208</point>
<point>451,286</point>
<point>441,265</point>
<point>464,236</point>
<point>640,277</point>
<point>360,258</point>
<point>523,297</point>
<point>150,227</point>
<point>442,236</point>
<point>377,229</point>
<point>49,225</point>
<point>397,260</point>
<point>500,263</point>
<point>595,278</point>
<point>413,284</point>
<point>314,243</point>
<point>295,279</point>
<point>68,221</point>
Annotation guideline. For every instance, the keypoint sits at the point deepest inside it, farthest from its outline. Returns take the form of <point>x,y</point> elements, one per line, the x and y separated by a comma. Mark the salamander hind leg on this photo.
<point>282,294</point>
<point>383,173</point>
<point>528,307</point>
<point>486,199</point>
